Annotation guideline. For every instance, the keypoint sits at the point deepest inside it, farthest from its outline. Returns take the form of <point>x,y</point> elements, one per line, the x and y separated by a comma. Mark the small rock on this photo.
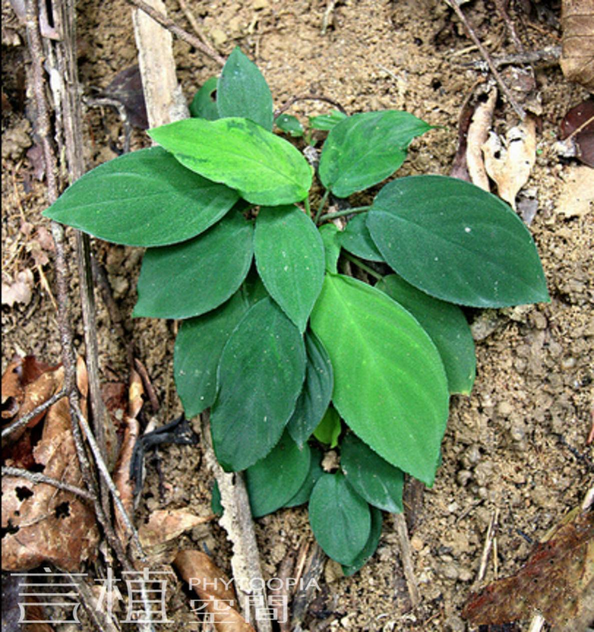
<point>119,285</point>
<point>450,571</point>
<point>504,409</point>
<point>260,4</point>
<point>465,575</point>
<point>463,477</point>
<point>416,543</point>
<point>218,37</point>
<point>471,456</point>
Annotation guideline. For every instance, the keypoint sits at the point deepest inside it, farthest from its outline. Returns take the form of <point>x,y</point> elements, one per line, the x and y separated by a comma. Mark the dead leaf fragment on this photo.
<point>478,133</point>
<point>167,524</point>
<point>577,195</point>
<point>18,291</point>
<point>577,132</point>
<point>577,56</point>
<point>509,162</point>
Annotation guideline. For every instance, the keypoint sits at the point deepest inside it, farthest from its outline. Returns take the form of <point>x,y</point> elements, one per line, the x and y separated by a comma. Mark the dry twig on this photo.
<point>406,557</point>
<point>36,477</point>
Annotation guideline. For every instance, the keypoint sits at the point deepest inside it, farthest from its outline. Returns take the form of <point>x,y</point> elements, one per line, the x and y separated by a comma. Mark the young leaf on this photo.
<point>317,390</point>
<point>389,382</point>
<point>456,242</point>
<point>370,546</point>
<point>329,428</point>
<point>290,125</point>
<point>194,277</point>
<point>274,480</point>
<point>446,325</point>
<point>356,239</point>
<point>203,105</point>
<point>264,168</point>
<point>340,519</point>
<point>331,237</point>
<point>315,471</point>
<point>145,198</point>
<point>243,91</point>
<point>290,259</point>
<point>198,348</point>
<point>373,478</point>
<point>366,148</point>
<point>325,122</point>
<point>260,376</point>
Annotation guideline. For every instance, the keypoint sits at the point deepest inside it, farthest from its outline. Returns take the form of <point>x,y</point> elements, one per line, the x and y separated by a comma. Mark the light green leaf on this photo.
<point>203,105</point>
<point>446,325</point>
<point>315,471</point>
<point>372,477</point>
<point>325,122</point>
<point>260,376</point>
<point>331,238</point>
<point>198,348</point>
<point>356,239</point>
<point>145,198</point>
<point>290,125</point>
<point>194,277</point>
<point>274,480</point>
<point>456,242</point>
<point>264,168</point>
<point>290,259</point>
<point>340,519</point>
<point>329,428</point>
<point>317,390</point>
<point>366,148</point>
<point>370,546</point>
<point>390,385</point>
<point>243,91</point>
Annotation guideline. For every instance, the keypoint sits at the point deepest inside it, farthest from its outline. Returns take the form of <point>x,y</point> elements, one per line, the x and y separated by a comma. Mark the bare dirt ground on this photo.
<point>517,445</point>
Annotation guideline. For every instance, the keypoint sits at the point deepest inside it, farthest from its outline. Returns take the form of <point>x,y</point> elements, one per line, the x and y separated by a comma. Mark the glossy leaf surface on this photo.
<point>356,239</point>
<point>203,105</point>
<point>371,545</point>
<point>290,125</point>
<point>315,471</point>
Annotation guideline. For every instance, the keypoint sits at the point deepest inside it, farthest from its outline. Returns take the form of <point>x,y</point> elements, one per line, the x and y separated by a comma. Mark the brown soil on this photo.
<point>516,445</point>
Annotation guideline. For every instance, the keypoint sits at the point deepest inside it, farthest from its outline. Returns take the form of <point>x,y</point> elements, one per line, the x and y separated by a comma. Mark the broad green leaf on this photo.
<point>456,242</point>
<point>356,239</point>
<point>446,325</point>
<point>243,91</point>
<point>259,378</point>
<point>290,259</point>
<point>390,386</point>
<point>317,390</point>
<point>370,546</point>
<point>253,289</point>
<point>366,148</point>
<point>274,480</point>
<point>372,477</point>
<point>194,277</point>
<point>290,125</point>
<point>331,238</point>
<point>329,428</point>
<point>264,168</point>
<point>145,198</point>
<point>198,348</point>
<point>203,105</point>
<point>325,122</point>
<point>340,519</point>
<point>315,471</point>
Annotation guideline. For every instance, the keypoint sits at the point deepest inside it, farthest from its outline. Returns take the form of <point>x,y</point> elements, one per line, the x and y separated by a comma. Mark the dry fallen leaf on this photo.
<point>18,291</point>
<point>167,524</point>
<point>478,132</point>
<point>577,132</point>
<point>510,162</point>
<point>577,57</point>
<point>214,590</point>
<point>556,581</point>
<point>577,194</point>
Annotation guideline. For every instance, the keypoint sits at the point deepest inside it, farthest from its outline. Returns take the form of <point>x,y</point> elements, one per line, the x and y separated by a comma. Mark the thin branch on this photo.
<point>36,477</point>
<point>487,546</point>
<point>183,5</point>
<point>305,97</point>
<point>348,211</point>
<point>473,36</point>
<point>406,559</point>
<point>25,419</point>
<point>171,26</point>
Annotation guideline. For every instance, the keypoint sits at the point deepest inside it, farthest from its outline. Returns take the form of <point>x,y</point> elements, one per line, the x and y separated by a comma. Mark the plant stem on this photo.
<point>363,266</point>
<point>348,211</point>
<point>307,206</point>
<point>322,204</point>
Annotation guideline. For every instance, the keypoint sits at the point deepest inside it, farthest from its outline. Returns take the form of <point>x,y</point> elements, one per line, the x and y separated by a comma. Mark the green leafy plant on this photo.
<point>292,354</point>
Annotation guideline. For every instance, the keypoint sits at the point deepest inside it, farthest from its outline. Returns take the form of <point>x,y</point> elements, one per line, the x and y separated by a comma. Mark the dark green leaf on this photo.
<point>317,390</point>
<point>340,519</point>
<point>215,500</point>
<point>290,259</point>
<point>243,91</point>
<point>194,277</point>
<point>331,238</point>
<point>259,378</point>
<point>356,239</point>
<point>390,385</point>
<point>325,122</point>
<point>329,428</point>
<point>290,125</point>
<point>372,477</point>
<point>446,325</point>
<point>366,148</point>
<point>145,198</point>
<point>203,105</point>
<point>370,547</point>
<point>253,289</point>
<point>198,348</point>
<point>274,480</point>
<point>263,167</point>
<point>315,471</point>
<point>456,242</point>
